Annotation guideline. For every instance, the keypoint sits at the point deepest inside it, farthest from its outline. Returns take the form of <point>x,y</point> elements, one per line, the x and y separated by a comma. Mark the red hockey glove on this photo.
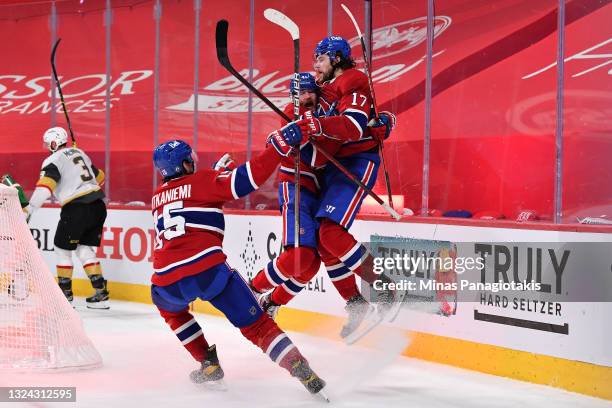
<point>381,130</point>
<point>309,124</point>
<point>283,139</point>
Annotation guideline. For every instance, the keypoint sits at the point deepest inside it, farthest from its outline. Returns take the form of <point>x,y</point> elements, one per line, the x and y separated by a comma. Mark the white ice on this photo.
<point>145,366</point>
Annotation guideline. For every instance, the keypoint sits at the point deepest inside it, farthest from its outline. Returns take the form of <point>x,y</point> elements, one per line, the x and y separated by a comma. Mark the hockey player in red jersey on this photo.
<point>281,273</point>
<point>189,262</point>
<point>346,99</point>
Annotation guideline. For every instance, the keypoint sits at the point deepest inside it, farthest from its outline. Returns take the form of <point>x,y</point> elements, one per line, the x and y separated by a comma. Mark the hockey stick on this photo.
<point>366,64</point>
<point>59,88</point>
<point>278,18</point>
<point>222,56</point>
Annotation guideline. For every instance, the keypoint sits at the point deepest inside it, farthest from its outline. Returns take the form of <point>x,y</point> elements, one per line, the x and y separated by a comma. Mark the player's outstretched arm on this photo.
<point>246,178</point>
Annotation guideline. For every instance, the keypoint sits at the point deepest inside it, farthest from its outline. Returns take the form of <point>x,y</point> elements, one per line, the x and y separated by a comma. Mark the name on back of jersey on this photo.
<point>173,194</point>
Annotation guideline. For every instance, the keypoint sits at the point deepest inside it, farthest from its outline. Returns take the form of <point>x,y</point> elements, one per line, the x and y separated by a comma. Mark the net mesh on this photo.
<point>39,329</point>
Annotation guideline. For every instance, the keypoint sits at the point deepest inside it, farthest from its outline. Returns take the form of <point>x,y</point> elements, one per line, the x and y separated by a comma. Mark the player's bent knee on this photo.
<point>332,235</point>
<point>310,266</point>
<point>308,257</point>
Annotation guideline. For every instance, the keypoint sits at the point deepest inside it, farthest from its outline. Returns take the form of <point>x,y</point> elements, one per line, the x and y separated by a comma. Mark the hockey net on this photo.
<point>39,329</point>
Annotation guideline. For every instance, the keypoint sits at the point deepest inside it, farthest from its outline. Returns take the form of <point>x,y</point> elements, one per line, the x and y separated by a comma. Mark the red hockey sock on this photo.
<point>266,335</point>
<point>346,287</point>
<point>290,288</point>
<point>340,243</point>
<point>282,268</point>
<point>341,277</point>
<point>261,282</point>
<point>188,331</point>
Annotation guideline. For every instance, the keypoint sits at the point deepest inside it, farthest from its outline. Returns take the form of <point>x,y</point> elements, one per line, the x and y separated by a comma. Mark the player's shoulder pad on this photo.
<point>352,80</point>
<point>52,159</point>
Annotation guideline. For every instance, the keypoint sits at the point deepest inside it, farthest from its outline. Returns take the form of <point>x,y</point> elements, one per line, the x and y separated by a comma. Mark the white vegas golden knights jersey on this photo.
<point>70,175</point>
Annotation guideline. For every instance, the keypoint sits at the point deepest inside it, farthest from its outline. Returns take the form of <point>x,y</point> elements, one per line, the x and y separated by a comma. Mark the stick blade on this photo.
<point>282,20</point>
<point>54,49</point>
<point>352,17</point>
<point>221,40</point>
<point>391,211</point>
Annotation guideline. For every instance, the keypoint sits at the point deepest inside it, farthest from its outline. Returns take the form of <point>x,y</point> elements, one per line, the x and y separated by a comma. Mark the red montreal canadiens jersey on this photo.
<point>347,102</point>
<point>189,221</point>
<point>310,160</point>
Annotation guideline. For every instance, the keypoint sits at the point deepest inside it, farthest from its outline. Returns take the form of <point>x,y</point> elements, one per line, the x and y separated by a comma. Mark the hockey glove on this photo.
<point>381,130</point>
<point>280,144</point>
<point>225,163</point>
<point>7,180</point>
<point>309,125</point>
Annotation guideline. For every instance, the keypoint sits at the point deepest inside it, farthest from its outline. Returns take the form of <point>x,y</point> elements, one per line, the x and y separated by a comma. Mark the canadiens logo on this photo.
<point>249,255</point>
<point>536,115</point>
<point>399,37</point>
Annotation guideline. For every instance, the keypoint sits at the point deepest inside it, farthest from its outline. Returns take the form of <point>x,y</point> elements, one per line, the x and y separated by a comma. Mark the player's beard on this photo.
<point>322,77</point>
<point>308,104</point>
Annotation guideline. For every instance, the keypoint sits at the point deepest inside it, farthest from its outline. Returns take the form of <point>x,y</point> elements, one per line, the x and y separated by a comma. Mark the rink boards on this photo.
<point>563,344</point>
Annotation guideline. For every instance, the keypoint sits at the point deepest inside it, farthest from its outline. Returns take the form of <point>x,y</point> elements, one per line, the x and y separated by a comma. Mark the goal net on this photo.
<point>39,329</point>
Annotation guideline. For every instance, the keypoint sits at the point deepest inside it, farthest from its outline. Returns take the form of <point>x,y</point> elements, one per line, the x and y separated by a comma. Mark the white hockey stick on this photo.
<point>282,20</point>
<point>366,64</point>
<point>288,25</point>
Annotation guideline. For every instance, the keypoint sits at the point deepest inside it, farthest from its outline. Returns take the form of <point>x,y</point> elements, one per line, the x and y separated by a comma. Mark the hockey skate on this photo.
<point>65,285</point>
<point>313,383</point>
<point>210,373</point>
<point>100,299</point>
<point>269,306</point>
<point>357,308</point>
<point>390,302</point>
<point>388,306</point>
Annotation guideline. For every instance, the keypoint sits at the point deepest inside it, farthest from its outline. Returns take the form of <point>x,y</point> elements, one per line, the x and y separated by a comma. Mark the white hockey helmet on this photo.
<point>55,137</point>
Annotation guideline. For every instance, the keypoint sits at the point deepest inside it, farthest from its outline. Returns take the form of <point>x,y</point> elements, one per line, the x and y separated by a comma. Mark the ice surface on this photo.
<point>146,367</point>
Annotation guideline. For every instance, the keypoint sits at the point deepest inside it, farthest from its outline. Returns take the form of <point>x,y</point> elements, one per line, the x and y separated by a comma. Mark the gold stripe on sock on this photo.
<point>93,269</point>
<point>64,271</point>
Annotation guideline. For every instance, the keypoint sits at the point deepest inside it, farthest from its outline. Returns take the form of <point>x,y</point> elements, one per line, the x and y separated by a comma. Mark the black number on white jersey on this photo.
<point>85,174</point>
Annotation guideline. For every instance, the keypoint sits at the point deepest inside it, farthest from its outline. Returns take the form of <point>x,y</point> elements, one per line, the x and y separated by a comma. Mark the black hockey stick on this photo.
<point>59,88</point>
<point>222,56</point>
<point>366,64</point>
<point>288,25</point>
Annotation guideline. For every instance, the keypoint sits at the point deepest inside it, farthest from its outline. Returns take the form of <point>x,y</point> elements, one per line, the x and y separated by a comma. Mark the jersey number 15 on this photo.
<point>173,225</point>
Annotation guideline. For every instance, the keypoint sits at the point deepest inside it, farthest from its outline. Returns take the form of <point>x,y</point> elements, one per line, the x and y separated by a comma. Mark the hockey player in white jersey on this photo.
<point>69,174</point>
